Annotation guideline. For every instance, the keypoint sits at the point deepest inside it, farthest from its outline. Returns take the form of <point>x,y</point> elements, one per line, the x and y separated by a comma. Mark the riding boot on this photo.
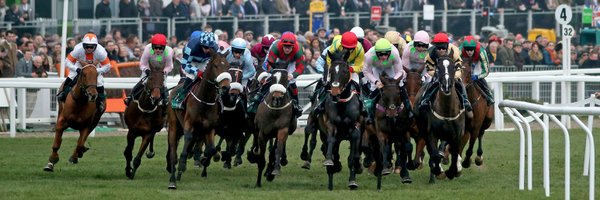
<point>317,98</point>
<point>177,102</point>
<point>134,92</point>
<point>369,106</point>
<point>465,99</point>
<point>101,100</point>
<point>297,111</point>
<point>256,99</point>
<point>62,95</point>
<point>424,103</point>
<point>164,101</point>
<point>404,97</point>
<point>486,89</point>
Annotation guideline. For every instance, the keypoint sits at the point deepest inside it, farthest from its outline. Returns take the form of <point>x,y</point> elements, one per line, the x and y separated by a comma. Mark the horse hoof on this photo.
<point>270,177</point>
<point>328,162</point>
<point>386,171</point>
<point>227,165</point>
<point>304,155</point>
<point>172,186</point>
<point>353,185</point>
<point>237,162</point>
<point>466,163</point>
<point>276,172</point>
<point>359,169</point>
<point>406,180</point>
<point>445,161</point>
<point>397,170</point>
<point>306,165</point>
<point>441,176</point>
<point>49,167</point>
<point>458,174</point>
<point>283,161</point>
<point>217,157</point>
<point>150,154</point>
<point>479,160</point>
<point>73,160</point>
<point>197,164</point>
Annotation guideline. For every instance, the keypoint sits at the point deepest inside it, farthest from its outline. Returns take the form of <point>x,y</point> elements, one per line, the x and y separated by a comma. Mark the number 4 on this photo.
<point>563,14</point>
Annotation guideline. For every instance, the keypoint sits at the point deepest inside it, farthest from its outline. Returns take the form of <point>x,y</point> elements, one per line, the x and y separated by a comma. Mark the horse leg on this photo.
<point>404,156</point>
<point>330,143</point>
<point>384,149</point>
<point>80,149</point>
<point>137,161</point>
<point>209,151</point>
<point>354,158</point>
<point>420,152</point>
<point>217,156</point>
<point>53,159</point>
<point>128,153</point>
<point>434,158</point>
<point>188,144</point>
<point>240,149</point>
<point>479,158</point>
<point>197,152</point>
<point>471,137</point>
<point>307,133</point>
<point>453,170</point>
<point>260,161</point>
<point>397,150</point>
<point>228,153</point>
<point>150,154</point>
<point>443,152</point>
<point>282,135</point>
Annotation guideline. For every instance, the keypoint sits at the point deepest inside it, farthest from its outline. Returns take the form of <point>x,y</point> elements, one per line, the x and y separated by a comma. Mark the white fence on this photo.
<point>548,112</point>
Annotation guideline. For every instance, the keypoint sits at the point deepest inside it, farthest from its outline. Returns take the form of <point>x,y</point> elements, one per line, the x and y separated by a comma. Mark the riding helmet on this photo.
<point>349,40</point>
<point>159,39</point>
<point>383,45</point>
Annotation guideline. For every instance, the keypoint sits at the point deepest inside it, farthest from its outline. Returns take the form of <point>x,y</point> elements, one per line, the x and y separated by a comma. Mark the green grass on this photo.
<point>100,174</point>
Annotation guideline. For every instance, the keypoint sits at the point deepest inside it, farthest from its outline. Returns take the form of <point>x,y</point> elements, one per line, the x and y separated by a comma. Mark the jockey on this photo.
<point>382,59</point>
<point>352,50</point>
<point>443,47</point>
<point>360,34</point>
<point>480,67</point>
<point>241,55</point>
<point>285,49</point>
<point>195,57</point>
<point>415,52</point>
<point>157,51</point>
<point>88,51</point>
<point>260,50</point>
<point>396,40</point>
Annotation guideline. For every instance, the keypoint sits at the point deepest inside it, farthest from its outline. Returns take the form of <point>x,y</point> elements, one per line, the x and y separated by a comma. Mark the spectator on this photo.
<point>506,54</point>
<point>519,61</point>
<point>492,52</point>
<point>322,37</point>
<point>103,9</point>
<point>26,10</point>
<point>14,16</point>
<point>127,9</point>
<point>111,50</point>
<point>199,8</point>
<point>315,45</point>
<point>268,7</point>
<point>3,8</point>
<point>237,9</point>
<point>584,57</point>
<point>309,68</point>
<point>38,70</point>
<point>238,34</point>
<point>283,7</point>
<point>47,61</point>
<point>249,37</point>
<point>574,60</point>
<point>301,7</point>
<point>24,67</point>
<point>132,42</point>
<point>156,7</point>
<point>251,8</point>
<point>137,53</point>
<point>336,7</point>
<point>535,55</point>
<point>176,9</point>
<point>592,62</point>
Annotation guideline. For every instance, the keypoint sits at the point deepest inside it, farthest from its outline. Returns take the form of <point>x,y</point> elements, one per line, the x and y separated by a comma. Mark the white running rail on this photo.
<point>548,112</point>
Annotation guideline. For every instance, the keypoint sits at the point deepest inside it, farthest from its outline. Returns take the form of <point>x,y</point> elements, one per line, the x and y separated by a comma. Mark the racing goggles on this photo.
<point>158,47</point>
<point>236,50</point>
<point>469,48</point>
<point>89,46</point>
<point>383,53</point>
<point>421,44</point>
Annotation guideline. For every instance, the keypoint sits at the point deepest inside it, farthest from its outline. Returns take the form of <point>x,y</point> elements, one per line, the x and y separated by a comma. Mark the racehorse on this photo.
<point>79,112</point>
<point>445,121</point>
<point>390,127</point>
<point>274,119</point>
<point>340,121</point>
<point>198,121</point>
<point>412,85</point>
<point>483,115</point>
<point>233,112</point>
<point>145,116</point>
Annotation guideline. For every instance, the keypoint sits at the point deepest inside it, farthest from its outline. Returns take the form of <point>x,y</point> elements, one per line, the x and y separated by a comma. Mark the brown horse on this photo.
<point>445,121</point>
<point>8,61</point>
<point>78,112</point>
<point>389,127</point>
<point>274,119</point>
<point>198,121</point>
<point>412,85</point>
<point>483,115</point>
<point>145,117</point>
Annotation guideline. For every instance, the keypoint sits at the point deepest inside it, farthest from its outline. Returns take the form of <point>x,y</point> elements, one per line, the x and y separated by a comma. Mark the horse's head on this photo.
<point>232,91</point>
<point>339,74</point>
<point>216,69</point>
<point>444,73</point>
<point>279,82</point>
<point>467,69</point>
<point>155,82</point>
<point>87,82</point>
<point>413,80</point>
<point>390,100</point>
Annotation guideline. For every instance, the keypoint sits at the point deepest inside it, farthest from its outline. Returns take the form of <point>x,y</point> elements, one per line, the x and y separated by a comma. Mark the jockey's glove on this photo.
<point>475,77</point>
<point>147,71</point>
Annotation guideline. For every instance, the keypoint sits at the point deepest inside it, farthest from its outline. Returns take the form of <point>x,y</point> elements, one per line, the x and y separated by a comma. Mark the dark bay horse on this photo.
<point>483,115</point>
<point>79,112</point>
<point>198,121</point>
<point>340,121</point>
<point>390,127</point>
<point>145,117</point>
<point>233,117</point>
<point>274,120</point>
<point>445,121</point>
<point>412,85</point>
